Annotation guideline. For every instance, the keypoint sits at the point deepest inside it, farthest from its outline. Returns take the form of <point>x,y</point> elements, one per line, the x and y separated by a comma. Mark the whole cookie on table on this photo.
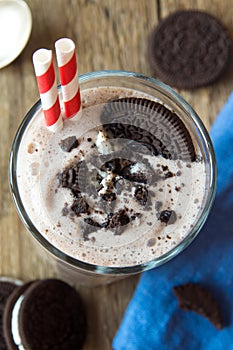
<point>7,286</point>
<point>45,314</point>
<point>189,49</point>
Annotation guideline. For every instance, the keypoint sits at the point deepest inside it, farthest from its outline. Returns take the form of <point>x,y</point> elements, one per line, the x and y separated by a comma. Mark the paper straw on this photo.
<point>46,80</point>
<point>67,64</point>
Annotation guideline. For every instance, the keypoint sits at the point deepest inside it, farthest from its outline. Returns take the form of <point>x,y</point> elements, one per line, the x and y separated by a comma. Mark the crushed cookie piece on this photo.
<point>168,217</point>
<point>69,143</point>
<point>141,195</point>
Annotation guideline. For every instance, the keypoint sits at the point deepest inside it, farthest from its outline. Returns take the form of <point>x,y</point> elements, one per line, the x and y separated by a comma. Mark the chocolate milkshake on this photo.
<point>126,185</point>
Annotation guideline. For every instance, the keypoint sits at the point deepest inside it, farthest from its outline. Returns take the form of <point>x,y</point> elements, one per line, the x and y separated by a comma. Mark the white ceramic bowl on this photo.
<point>15,29</point>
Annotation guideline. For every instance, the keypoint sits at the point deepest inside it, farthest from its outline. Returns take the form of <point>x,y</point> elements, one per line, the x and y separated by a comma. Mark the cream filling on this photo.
<point>102,143</point>
<point>107,183</point>
<point>15,323</point>
<point>11,280</point>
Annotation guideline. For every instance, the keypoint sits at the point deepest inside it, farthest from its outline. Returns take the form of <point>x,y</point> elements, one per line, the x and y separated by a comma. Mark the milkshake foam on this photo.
<point>156,209</point>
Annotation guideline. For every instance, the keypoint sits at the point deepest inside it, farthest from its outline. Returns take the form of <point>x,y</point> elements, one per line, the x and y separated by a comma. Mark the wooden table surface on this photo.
<point>109,35</point>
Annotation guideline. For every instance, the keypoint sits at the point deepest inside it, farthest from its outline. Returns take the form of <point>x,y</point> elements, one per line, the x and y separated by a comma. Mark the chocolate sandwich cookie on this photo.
<point>45,314</point>
<point>148,125</point>
<point>7,286</point>
<point>189,49</point>
<point>12,341</point>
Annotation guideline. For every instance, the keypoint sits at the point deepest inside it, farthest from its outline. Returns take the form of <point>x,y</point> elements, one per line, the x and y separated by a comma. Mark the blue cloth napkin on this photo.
<point>153,319</point>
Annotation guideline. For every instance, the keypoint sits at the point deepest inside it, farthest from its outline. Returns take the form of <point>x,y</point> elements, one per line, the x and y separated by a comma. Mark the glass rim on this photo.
<point>115,270</point>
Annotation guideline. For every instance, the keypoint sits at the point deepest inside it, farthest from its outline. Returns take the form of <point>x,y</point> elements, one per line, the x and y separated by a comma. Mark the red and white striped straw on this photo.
<point>46,80</point>
<point>67,64</point>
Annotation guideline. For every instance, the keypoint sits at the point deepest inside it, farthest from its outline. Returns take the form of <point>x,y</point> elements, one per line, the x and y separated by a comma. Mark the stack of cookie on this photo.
<point>41,314</point>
